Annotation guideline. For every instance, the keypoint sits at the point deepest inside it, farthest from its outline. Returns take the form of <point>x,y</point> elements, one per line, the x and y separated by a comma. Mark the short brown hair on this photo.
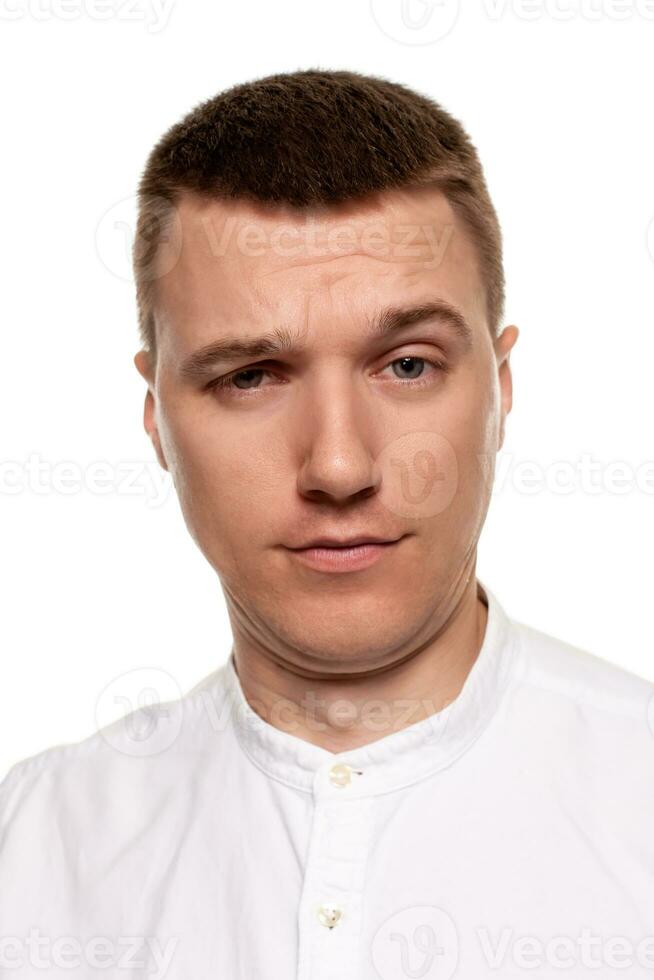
<point>314,137</point>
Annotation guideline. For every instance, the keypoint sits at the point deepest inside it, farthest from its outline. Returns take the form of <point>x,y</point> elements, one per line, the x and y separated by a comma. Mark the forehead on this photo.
<point>237,264</point>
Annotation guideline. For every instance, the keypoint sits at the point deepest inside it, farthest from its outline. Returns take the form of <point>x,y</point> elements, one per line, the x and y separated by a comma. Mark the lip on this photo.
<point>344,559</point>
<point>335,542</point>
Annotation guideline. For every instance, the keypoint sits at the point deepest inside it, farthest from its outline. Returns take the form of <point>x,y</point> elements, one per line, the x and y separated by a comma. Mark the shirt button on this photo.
<point>340,774</point>
<point>329,915</point>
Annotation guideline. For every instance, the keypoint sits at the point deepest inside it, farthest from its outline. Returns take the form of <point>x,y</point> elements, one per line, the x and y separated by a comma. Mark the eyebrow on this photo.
<point>282,341</point>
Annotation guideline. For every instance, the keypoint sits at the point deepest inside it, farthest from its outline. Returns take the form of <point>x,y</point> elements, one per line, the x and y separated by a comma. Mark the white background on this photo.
<point>557,98</point>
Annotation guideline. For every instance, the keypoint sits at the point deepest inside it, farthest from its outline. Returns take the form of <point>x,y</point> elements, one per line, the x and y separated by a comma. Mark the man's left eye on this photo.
<point>409,364</point>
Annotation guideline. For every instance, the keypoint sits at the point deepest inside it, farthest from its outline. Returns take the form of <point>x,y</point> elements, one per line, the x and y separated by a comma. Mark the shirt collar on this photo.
<point>395,760</point>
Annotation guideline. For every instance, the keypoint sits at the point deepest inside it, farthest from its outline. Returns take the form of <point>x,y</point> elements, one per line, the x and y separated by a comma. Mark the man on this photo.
<point>387,776</point>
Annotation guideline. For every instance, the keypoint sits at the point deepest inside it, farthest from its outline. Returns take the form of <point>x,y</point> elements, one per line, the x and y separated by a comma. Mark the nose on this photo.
<point>337,446</point>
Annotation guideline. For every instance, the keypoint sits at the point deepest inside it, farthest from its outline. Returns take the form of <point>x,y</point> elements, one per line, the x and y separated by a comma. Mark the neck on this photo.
<point>341,714</point>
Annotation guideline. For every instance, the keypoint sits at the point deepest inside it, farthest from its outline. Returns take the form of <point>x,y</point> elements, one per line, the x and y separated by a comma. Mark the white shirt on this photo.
<point>509,835</point>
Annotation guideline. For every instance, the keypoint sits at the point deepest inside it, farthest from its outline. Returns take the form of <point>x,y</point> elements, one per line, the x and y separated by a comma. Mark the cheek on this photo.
<point>227,484</point>
<point>477,448</point>
<point>467,425</point>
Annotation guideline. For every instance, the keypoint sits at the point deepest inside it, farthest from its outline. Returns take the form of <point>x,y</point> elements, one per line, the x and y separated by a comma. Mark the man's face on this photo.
<point>344,432</point>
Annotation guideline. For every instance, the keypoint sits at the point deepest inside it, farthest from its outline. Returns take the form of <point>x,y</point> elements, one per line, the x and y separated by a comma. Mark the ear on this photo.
<point>143,363</point>
<point>503,346</point>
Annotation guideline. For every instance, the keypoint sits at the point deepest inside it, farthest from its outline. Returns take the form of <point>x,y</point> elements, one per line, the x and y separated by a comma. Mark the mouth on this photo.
<point>344,558</point>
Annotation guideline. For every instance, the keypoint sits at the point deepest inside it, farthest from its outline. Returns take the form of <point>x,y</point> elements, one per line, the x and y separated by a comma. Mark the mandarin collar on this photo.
<point>396,760</point>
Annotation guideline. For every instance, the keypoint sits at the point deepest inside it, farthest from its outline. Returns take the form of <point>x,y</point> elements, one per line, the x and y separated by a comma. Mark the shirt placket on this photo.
<point>331,905</point>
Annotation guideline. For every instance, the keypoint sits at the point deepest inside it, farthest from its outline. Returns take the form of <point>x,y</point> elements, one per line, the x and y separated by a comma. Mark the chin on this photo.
<point>343,638</point>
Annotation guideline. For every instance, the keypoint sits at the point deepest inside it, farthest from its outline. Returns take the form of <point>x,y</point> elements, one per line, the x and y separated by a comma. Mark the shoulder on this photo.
<point>145,752</point>
<point>570,681</point>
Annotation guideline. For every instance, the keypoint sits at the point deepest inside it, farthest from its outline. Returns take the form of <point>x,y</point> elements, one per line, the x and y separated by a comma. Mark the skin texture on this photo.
<point>340,439</point>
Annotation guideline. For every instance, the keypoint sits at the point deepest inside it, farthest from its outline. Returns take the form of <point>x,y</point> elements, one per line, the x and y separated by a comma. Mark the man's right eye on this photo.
<point>228,382</point>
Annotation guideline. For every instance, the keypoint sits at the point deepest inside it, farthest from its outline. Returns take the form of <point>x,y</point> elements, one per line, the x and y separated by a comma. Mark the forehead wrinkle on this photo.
<point>322,261</point>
